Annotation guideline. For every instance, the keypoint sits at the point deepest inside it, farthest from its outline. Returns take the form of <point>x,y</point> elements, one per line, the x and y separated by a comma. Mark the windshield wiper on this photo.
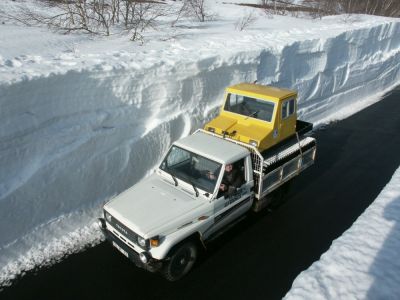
<point>252,114</point>
<point>195,188</point>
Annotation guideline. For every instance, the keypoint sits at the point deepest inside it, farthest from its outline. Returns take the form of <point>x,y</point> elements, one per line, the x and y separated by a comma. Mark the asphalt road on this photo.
<point>262,255</point>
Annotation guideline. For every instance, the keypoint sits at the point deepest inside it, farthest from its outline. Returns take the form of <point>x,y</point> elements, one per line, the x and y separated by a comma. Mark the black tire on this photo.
<point>279,196</point>
<point>181,261</point>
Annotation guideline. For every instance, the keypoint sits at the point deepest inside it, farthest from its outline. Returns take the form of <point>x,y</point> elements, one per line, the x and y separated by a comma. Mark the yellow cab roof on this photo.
<point>261,91</point>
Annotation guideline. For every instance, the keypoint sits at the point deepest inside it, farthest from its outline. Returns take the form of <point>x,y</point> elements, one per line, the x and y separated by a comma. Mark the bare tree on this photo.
<point>390,8</point>
<point>245,21</point>
<point>141,15</point>
<point>277,7</point>
<point>94,16</point>
<point>197,9</point>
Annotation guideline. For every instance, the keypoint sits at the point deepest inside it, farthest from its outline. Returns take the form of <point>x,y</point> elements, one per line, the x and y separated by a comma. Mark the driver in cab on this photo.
<point>232,180</point>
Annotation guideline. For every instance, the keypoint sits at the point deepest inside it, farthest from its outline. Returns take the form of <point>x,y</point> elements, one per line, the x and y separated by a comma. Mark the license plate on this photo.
<point>120,249</point>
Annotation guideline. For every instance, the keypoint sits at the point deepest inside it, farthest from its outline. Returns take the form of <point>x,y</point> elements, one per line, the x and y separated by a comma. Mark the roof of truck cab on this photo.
<point>212,147</point>
<point>261,91</point>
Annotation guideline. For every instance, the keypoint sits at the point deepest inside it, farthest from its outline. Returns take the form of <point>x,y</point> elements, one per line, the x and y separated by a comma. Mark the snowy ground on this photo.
<point>78,115</point>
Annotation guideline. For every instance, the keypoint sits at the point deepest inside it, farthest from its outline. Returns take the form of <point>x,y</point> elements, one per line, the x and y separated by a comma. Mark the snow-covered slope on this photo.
<point>364,263</point>
<point>81,120</point>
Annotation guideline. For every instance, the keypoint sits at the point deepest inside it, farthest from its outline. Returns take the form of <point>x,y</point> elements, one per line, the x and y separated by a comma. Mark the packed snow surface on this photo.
<point>364,263</point>
<point>83,118</point>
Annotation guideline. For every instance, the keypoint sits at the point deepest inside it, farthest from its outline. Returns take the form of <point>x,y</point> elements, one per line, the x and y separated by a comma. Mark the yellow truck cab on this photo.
<point>261,116</point>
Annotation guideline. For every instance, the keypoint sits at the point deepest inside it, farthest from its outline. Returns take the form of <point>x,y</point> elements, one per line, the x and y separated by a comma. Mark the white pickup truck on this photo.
<point>162,222</point>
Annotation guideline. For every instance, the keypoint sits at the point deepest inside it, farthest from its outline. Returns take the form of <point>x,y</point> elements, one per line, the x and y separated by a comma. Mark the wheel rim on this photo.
<point>180,263</point>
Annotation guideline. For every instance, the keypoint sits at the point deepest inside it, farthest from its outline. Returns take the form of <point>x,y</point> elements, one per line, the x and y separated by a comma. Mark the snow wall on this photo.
<point>71,141</point>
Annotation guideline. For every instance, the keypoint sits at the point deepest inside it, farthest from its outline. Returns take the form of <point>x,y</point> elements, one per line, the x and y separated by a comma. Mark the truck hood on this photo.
<point>245,131</point>
<point>154,205</point>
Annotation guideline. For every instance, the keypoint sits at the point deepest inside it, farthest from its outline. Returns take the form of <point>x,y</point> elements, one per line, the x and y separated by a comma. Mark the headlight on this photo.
<point>253,143</point>
<point>141,242</point>
<point>211,129</point>
<point>144,257</point>
<point>101,223</point>
<point>108,216</point>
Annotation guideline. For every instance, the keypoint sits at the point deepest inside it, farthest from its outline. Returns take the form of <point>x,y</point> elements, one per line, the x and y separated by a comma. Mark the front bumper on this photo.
<point>153,265</point>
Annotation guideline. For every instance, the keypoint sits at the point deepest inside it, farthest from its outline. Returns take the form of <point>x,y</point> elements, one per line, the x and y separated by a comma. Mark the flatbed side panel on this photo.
<point>277,177</point>
<point>287,153</point>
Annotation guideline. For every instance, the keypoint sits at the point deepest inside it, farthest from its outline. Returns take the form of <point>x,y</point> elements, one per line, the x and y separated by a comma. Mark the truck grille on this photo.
<point>122,229</point>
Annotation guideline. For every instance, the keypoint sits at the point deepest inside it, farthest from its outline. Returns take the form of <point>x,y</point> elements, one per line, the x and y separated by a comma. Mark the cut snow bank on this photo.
<point>72,135</point>
<point>364,263</point>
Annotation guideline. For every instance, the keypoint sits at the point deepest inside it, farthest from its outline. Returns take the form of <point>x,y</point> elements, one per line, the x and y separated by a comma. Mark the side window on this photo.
<point>233,179</point>
<point>291,107</point>
<point>285,106</point>
<point>288,108</point>
<point>234,174</point>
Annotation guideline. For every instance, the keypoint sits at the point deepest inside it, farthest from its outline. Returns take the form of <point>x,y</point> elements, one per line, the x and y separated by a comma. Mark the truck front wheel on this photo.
<point>181,261</point>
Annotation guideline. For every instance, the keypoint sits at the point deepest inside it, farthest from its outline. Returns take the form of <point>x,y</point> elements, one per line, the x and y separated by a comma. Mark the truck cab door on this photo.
<point>288,117</point>
<point>228,207</point>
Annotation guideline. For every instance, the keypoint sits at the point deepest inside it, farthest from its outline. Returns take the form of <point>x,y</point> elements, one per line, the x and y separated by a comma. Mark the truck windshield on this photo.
<point>192,168</point>
<point>250,107</point>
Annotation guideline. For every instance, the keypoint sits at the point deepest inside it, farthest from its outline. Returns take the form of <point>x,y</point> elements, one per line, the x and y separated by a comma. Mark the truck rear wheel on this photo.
<point>274,199</point>
<point>278,197</point>
<point>181,261</point>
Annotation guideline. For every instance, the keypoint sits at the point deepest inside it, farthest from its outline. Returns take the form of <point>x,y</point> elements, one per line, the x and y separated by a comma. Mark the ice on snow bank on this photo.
<point>364,263</point>
<point>81,127</point>
<point>65,235</point>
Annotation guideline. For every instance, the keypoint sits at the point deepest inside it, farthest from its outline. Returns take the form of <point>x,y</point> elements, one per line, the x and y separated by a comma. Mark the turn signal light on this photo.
<point>154,242</point>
